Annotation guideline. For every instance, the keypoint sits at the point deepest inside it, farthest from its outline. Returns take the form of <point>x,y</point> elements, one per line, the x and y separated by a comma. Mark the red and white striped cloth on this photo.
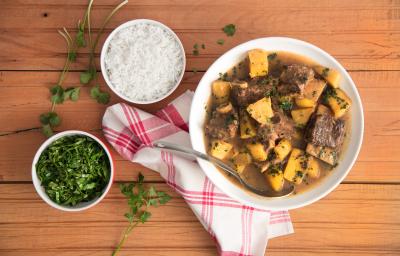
<point>237,229</point>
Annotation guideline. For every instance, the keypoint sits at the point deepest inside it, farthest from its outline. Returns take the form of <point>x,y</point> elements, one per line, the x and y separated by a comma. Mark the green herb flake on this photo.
<point>286,105</point>
<point>220,41</point>
<point>272,56</point>
<point>325,72</point>
<point>229,29</point>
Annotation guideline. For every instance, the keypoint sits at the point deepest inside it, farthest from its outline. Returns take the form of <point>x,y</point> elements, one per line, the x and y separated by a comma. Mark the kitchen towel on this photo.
<point>237,229</point>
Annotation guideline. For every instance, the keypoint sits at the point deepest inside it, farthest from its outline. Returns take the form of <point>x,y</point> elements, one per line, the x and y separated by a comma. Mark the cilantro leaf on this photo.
<point>72,56</point>
<point>57,94</point>
<point>144,216</point>
<point>99,96</point>
<point>220,41</point>
<point>46,130</point>
<point>229,29</point>
<point>87,76</point>
<point>72,93</point>
<point>80,37</point>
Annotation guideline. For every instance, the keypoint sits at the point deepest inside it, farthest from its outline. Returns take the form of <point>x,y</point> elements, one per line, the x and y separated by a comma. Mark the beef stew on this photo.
<point>279,113</point>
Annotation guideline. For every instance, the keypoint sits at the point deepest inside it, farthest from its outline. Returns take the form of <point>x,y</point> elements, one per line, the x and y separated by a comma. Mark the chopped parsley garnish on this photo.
<point>272,56</point>
<point>229,29</point>
<point>220,41</point>
<point>286,105</point>
<point>203,46</point>
<point>331,93</point>
<point>196,51</point>
<point>229,119</point>
<point>223,76</point>
<point>325,72</point>
<point>73,169</point>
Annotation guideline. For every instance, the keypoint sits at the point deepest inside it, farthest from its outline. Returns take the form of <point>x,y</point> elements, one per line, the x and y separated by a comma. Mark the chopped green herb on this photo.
<point>325,72</point>
<point>272,56</point>
<point>73,169</point>
<point>286,105</point>
<point>220,41</point>
<point>229,29</point>
<point>203,46</point>
<point>229,119</point>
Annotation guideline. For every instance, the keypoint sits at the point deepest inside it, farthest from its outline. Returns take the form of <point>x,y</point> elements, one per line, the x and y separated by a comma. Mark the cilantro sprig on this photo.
<point>59,94</point>
<point>140,199</point>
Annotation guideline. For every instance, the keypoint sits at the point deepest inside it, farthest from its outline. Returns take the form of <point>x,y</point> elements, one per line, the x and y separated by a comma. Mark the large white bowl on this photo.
<point>40,189</point>
<point>198,115</point>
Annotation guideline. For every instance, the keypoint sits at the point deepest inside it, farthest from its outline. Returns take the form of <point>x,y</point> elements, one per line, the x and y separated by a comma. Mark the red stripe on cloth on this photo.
<point>122,137</point>
<point>132,124</point>
<point>250,225</point>
<point>121,144</point>
<point>203,206</point>
<point>171,114</point>
<point>211,210</point>
<point>243,230</point>
<point>161,132</point>
<point>228,253</point>
<point>140,125</point>
<point>280,221</point>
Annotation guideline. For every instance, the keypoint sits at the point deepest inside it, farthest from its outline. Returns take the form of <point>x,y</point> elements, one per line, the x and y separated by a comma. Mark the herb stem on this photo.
<point>106,20</point>
<point>124,237</point>
<point>67,61</point>
<point>87,18</point>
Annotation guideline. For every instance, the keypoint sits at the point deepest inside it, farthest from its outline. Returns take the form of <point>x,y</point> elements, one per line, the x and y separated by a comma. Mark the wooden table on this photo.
<point>361,217</point>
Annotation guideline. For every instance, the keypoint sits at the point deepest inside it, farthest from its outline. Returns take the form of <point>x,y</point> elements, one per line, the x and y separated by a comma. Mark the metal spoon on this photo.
<point>253,184</point>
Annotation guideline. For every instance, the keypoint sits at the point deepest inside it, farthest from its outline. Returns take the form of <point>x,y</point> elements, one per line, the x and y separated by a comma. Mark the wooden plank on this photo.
<point>376,225</point>
<point>30,50</point>
<point>107,252</point>
<point>272,3</point>
<point>284,17</point>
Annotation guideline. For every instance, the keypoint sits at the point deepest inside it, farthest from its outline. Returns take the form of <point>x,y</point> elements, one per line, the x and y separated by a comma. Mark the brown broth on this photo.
<point>240,71</point>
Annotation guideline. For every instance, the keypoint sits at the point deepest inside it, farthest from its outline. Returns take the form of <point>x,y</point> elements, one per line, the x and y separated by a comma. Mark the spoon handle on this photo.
<point>188,151</point>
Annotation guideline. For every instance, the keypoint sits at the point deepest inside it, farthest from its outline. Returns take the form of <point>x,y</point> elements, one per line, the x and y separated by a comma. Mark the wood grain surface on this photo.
<point>361,217</point>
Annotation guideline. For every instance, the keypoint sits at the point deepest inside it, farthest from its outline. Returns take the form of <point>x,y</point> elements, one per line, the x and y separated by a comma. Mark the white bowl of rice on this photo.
<point>143,61</point>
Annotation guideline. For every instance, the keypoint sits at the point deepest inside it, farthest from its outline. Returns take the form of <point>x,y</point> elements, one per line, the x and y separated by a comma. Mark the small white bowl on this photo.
<point>42,193</point>
<point>106,46</point>
<point>198,115</point>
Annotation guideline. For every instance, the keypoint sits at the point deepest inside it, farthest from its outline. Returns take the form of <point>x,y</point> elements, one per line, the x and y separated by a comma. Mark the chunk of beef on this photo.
<point>223,123</point>
<point>283,125</point>
<point>280,127</point>
<point>243,96</point>
<point>266,133</point>
<point>324,130</point>
<point>294,78</point>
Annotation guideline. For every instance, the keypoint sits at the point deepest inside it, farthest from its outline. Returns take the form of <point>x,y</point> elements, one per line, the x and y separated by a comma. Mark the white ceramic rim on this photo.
<point>104,52</point>
<point>40,190</point>
<point>197,115</point>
